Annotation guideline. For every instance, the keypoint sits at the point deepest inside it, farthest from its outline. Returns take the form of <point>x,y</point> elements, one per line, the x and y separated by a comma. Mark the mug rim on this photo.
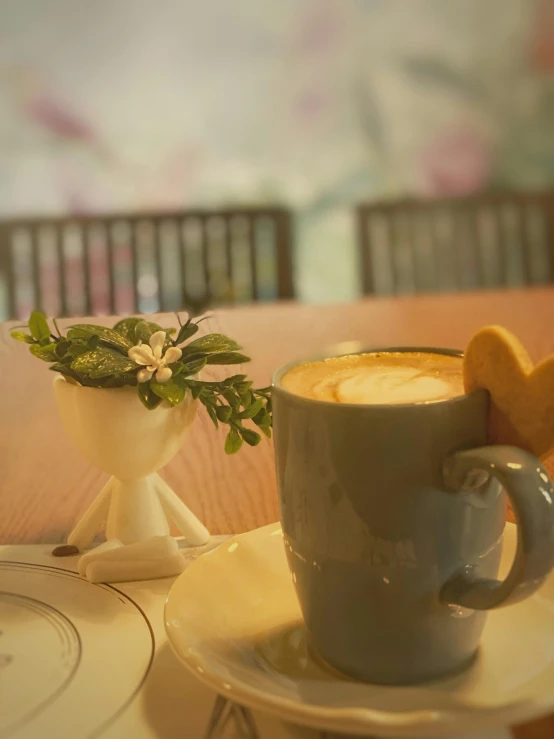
<point>334,351</point>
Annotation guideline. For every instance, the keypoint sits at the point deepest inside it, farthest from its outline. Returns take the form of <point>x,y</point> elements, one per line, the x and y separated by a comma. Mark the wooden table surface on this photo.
<point>46,485</point>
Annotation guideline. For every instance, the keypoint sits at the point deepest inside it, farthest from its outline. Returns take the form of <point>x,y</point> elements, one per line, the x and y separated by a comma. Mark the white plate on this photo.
<point>234,620</point>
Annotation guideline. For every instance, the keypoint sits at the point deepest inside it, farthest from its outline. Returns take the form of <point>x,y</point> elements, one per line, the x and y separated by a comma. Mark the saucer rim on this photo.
<point>355,720</point>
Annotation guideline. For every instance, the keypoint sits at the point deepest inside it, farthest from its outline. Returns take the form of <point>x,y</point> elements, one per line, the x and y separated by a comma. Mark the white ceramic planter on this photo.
<point>116,433</point>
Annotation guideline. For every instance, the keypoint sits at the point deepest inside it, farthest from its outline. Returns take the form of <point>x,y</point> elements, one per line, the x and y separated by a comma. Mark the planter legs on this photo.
<point>93,519</point>
<point>135,511</point>
<point>188,524</point>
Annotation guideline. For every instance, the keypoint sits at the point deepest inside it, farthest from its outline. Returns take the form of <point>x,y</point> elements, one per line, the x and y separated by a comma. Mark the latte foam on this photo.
<point>379,378</point>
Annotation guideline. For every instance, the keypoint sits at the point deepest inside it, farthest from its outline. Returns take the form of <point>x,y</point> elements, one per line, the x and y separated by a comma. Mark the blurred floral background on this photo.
<point>314,104</point>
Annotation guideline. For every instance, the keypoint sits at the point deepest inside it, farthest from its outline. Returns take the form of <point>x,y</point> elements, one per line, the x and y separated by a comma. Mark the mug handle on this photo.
<point>531,494</point>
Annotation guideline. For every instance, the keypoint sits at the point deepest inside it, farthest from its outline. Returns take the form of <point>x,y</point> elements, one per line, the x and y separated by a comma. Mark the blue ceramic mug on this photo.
<point>393,518</point>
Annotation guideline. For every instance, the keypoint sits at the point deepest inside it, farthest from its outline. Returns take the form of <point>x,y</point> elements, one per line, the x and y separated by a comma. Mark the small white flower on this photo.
<point>153,359</point>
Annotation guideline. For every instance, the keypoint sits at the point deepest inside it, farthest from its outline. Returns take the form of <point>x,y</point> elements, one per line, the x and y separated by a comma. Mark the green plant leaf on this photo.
<point>126,327</point>
<point>148,398</point>
<point>61,348</point>
<point>208,399</point>
<point>233,442</point>
<point>93,342</point>
<point>246,398</point>
<point>231,398</point>
<point>186,331</point>
<point>253,409</point>
<point>106,336</point>
<point>194,367</point>
<point>210,344</point>
<point>211,412</point>
<point>177,368</point>
<point>47,353</point>
<point>38,326</point>
<point>21,336</point>
<point>250,437</point>
<point>114,381</point>
<point>227,358</point>
<point>196,390</point>
<point>234,379</point>
<point>170,391</point>
<point>224,412</point>
<point>102,362</point>
<point>262,418</point>
<point>145,329</point>
<point>76,349</point>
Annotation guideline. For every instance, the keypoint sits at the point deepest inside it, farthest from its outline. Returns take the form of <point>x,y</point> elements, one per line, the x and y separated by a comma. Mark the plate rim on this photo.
<point>356,720</point>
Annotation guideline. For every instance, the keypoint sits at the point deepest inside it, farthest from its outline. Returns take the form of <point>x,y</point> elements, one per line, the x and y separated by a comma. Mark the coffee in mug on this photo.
<point>379,378</point>
<point>393,507</point>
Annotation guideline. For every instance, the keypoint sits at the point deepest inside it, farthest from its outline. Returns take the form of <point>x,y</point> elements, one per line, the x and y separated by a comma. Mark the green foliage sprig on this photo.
<point>163,364</point>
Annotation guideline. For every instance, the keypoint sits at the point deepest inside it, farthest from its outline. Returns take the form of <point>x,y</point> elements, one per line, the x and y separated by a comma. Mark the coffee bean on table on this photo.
<point>65,550</point>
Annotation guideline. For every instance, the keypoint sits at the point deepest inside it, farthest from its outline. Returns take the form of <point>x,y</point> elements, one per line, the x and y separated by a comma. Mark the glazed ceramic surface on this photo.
<point>393,517</point>
<point>114,431</point>
<point>234,620</point>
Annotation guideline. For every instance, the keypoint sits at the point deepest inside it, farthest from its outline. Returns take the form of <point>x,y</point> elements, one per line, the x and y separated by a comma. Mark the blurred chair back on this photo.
<point>144,263</point>
<point>486,241</point>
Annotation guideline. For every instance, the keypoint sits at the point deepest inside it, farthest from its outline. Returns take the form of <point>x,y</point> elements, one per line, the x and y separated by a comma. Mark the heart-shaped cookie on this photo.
<point>522,395</point>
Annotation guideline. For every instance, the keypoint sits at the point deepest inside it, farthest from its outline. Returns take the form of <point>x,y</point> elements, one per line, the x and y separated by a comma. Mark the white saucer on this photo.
<point>234,620</point>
